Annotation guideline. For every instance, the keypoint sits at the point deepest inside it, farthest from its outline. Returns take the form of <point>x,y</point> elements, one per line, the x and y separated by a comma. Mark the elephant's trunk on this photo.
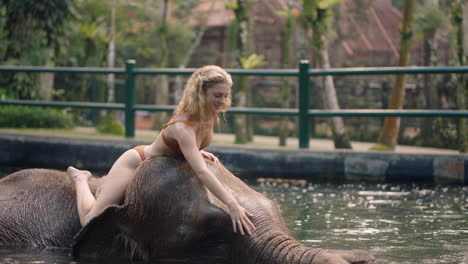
<point>273,246</point>
<point>271,243</point>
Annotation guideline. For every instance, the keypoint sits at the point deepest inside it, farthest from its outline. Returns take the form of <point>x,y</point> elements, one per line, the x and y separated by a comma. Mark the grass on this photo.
<point>382,147</point>
<point>62,133</point>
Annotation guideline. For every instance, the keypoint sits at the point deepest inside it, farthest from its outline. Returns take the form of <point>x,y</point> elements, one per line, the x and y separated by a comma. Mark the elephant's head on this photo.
<point>167,213</point>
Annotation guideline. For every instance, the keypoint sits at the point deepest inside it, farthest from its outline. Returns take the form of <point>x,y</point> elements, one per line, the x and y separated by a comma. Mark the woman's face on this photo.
<point>216,96</point>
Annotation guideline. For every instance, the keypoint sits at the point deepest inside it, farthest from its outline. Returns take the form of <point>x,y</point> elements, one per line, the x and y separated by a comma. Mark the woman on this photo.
<point>206,94</point>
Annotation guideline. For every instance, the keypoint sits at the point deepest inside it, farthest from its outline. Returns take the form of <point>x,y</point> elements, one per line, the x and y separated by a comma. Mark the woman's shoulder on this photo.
<point>176,126</point>
<point>182,120</point>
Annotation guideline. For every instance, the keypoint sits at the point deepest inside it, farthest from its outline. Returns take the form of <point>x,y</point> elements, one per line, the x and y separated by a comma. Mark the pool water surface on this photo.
<point>396,223</point>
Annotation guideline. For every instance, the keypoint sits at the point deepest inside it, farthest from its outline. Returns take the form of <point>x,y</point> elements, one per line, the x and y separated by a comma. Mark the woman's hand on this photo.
<point>209,156</point>
<point>240,219</point>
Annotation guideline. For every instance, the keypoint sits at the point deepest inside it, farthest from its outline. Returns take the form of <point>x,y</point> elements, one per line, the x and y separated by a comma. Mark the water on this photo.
<point>397,223</point>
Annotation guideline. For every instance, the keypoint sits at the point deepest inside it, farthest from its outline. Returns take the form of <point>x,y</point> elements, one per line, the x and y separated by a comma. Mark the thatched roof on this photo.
<point>376,34</point>
<point>371,35</point>
<point>217,14</point>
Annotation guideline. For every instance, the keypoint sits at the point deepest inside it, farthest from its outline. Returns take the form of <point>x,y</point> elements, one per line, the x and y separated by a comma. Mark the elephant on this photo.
<point>166,214</point>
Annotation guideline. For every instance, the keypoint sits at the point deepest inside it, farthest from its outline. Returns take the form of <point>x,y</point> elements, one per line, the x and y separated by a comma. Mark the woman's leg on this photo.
<point>84,198</point>
<point>112,189</point>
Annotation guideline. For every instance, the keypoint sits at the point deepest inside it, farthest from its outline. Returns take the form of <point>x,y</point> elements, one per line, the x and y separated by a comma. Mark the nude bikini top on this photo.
<point>173,145</point>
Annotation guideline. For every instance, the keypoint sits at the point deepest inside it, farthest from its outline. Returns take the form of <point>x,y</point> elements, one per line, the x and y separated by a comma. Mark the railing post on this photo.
<point>304,67</point>
<point>130,96</point>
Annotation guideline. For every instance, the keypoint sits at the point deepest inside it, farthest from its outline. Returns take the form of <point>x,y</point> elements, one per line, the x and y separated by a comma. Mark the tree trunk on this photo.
<point>283,125</point>
<point>241,120</point>
<point>47,84</point>
<point>340,138</point>
<point>111,58</point>
<point>241,123</point>
<point>389,133</point>
<point>428,134</point>
<point>316,19</point>
<point>111,64</point>
<point>249,122</point>
<point>285,88</point>
<point>461,93</point>
<point>161,83</point>
<point>465,28</point>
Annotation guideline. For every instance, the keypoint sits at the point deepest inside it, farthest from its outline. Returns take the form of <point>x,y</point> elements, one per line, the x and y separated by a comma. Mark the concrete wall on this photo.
<point>334,166</point>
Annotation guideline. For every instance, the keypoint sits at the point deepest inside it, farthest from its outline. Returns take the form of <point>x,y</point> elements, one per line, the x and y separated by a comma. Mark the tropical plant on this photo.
<point>34,117</point>
<point>317,16</point>
<point>239,35</point>
<point>389,133</point>
<point>429,19</point>
<point>290,17</point>
<point>457,16</point>
<point>22,19</point>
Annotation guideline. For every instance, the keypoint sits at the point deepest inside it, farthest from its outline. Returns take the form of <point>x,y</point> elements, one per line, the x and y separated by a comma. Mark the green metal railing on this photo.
<point>303,73</point>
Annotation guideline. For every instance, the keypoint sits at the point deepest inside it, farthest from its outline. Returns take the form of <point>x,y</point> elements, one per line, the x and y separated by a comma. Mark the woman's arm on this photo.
<point>186,138</point>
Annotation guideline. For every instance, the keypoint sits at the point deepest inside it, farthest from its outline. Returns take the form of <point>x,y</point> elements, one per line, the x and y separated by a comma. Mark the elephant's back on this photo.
<point>168,192</point>
<point>37,208</point>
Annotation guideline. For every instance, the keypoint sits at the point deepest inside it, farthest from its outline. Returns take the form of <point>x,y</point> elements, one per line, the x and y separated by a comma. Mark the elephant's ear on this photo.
<point>101,237</point>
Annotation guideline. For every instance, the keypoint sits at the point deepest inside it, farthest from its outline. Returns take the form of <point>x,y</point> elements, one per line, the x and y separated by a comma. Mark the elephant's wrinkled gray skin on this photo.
<point>167,214</point>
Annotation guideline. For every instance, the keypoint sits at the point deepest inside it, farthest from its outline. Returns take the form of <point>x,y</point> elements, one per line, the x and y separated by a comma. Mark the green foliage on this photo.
<point>429,18</point>
<point>25,17</point>
<point>232,35</point>
<point>34,117</point>
<point>325,4</point>
<point>111,125</point>
<point>30,31</point>
<point>318,16</point>
<point>398,4</point>
<point>185,8</point>
<point>140,38</point>
<point>85,41</point>
<point>382,147</point>
<point>240,8</point>
<point>232,4</point>
<point>456,13</point>
<point>252,61</point>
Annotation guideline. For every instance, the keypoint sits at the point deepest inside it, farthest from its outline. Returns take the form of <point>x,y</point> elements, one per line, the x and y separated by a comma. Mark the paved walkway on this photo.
<point>293,143</point>
<point>259,142</point>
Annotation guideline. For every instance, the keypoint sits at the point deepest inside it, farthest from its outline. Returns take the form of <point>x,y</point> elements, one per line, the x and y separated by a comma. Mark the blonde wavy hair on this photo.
<point>193,99</point>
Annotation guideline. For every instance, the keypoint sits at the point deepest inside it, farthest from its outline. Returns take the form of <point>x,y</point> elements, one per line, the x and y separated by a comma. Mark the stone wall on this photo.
<point>334,166</point>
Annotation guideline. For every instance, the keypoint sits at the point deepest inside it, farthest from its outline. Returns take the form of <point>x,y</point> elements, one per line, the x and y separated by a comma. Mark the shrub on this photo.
<point>34,117</point>
<point>110,125</point>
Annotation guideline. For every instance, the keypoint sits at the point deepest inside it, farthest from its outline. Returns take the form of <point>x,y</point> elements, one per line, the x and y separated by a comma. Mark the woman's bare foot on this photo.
<point>77,175</point>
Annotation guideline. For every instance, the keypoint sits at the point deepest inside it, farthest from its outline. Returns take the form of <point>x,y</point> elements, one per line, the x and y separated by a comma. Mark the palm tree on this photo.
<point>240,35</point>
<point>111,56</point>
<point>162,81</point>
<point>389,134</point>
<point>429,19</point>
<point>285,89</point>
<point>457,20</point>
<point>316,14</point>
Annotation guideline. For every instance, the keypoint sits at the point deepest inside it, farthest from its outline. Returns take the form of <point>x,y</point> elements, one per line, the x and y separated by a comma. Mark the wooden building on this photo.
<point>372,40</point>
